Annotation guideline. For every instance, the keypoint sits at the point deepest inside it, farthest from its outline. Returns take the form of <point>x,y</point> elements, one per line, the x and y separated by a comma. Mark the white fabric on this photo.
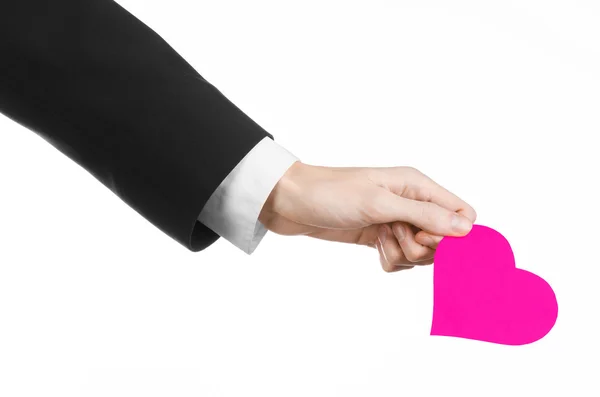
<point>233,209</point>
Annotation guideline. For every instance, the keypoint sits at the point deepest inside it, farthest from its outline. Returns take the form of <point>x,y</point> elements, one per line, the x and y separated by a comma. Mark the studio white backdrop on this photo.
<point>497,101</point>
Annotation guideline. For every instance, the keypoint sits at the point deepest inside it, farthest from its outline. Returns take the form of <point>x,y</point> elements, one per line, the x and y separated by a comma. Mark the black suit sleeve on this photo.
<point>113,96</point>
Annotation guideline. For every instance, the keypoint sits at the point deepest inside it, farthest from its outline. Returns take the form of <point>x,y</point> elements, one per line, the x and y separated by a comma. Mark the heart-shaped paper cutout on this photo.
<point>480,294</point>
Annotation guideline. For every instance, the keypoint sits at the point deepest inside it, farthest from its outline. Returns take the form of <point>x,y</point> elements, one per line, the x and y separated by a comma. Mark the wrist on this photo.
<point>287,187</point>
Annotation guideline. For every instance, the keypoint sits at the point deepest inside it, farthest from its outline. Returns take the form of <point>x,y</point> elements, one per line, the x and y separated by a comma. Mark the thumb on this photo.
<point>425,215</point>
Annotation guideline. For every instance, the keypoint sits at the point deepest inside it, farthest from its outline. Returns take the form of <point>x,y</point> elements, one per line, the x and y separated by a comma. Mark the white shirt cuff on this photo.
<point>233,209</point>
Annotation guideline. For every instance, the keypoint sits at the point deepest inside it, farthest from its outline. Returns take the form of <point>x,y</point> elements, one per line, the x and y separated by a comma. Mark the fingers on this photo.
<point>412,249</point>
<point>392,256</point>
<point>430,240</point>
<point>439,195</point>
<point>428,216</point>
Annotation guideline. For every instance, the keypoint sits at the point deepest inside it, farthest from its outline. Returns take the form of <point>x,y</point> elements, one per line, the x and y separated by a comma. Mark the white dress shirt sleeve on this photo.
<point>233,209</point>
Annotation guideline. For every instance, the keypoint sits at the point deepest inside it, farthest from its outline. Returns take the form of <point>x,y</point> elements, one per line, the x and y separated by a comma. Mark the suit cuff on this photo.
<point>232,210</point>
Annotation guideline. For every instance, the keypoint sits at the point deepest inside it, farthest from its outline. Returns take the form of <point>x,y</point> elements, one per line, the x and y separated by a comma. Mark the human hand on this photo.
<point>356,204</point>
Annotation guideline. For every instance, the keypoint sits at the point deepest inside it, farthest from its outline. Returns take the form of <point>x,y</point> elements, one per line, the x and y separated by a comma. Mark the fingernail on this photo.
<point>382,235</point>
<point>399,232</point>
<point>461,224</point>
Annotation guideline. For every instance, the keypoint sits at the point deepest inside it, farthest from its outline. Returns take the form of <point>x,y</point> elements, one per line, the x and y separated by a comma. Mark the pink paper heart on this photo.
<point>479,293</point>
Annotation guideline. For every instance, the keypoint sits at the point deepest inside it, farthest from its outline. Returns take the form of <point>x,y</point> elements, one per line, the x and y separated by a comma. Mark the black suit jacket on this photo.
<point>113,96</point>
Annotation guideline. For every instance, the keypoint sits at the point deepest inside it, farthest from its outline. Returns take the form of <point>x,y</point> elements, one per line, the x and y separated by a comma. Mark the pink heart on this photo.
<point>479,293</point>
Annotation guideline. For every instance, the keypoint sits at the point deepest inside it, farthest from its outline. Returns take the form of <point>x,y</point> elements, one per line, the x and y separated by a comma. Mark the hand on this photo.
<point>356,204</point>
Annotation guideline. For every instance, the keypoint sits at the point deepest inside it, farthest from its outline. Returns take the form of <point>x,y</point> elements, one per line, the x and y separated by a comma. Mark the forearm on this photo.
<point>108,92</point>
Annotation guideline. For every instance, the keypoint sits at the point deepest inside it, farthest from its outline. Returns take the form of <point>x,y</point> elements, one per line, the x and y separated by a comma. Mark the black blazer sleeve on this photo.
<point>113,96</point>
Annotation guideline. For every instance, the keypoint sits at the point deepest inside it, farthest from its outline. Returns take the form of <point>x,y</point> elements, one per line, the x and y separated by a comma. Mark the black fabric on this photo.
<point>112,95</point>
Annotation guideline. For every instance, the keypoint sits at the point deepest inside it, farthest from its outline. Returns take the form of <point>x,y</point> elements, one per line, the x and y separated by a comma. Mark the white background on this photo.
<point>497,101</point>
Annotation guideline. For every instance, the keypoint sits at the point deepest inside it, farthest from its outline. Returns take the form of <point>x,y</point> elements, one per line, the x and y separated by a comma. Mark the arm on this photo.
<point>112,95</point>
<point>233,209</point>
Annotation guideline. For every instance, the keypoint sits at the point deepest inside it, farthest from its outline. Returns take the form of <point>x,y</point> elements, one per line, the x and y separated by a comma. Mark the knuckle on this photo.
<point>414,171</point>
<point>398,228</point>
<point>395,258</point>
<point>407,170</point>
<point>387,267</point>
<point>412,255</point>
